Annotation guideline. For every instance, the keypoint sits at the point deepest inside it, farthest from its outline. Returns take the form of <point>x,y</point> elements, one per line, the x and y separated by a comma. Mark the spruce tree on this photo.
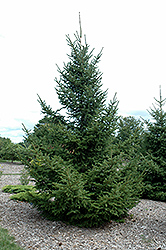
<point>155,144</point>
<point>82,181</point>
<point>156,134</point>
<point>90,120</point>
<point>8,150</point>
<point>130,135</point>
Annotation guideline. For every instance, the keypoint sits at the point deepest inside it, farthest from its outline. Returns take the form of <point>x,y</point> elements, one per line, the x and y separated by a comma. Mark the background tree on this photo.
<point>47,135</point>
<point>8,150</point>
<point>155,145</point>
<point>130,135</point>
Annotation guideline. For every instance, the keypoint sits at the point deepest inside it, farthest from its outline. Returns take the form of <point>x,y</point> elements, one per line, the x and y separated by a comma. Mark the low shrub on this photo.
<point>17,188</point>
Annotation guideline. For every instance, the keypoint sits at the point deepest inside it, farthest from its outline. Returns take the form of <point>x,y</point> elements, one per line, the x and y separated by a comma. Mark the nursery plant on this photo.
<point>155,145</point>
<point>8,150</point>
<point>79,176</point>
<point>130,135</point>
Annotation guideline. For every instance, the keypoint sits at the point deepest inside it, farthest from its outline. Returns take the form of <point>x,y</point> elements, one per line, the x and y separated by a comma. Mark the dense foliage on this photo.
<point>130,135</point>
<point>81,176</point>
<point>155,145</point>
<point>8,150</point>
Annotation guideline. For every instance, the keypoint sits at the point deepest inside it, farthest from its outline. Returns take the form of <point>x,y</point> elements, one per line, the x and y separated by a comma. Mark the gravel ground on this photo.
<point>145,230</point>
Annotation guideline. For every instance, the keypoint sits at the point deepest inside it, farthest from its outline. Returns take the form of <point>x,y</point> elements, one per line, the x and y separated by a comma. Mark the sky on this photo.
<point>33,40</point>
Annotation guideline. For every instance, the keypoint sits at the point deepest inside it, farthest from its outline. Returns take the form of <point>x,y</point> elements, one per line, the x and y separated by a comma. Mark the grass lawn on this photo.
<point>7,241</point>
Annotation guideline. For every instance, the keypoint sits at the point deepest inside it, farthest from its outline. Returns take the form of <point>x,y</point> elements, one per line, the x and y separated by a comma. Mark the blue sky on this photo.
<point>32,42</point>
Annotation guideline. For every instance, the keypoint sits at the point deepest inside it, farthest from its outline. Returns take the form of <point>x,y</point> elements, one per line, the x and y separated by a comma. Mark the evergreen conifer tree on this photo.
<point>130,134</point>
<point>83,182</point>
<point>155,144</point>
<point>8,150</point>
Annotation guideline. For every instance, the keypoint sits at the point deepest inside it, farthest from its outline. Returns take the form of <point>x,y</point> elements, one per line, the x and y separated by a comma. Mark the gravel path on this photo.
<point>146,229</point>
